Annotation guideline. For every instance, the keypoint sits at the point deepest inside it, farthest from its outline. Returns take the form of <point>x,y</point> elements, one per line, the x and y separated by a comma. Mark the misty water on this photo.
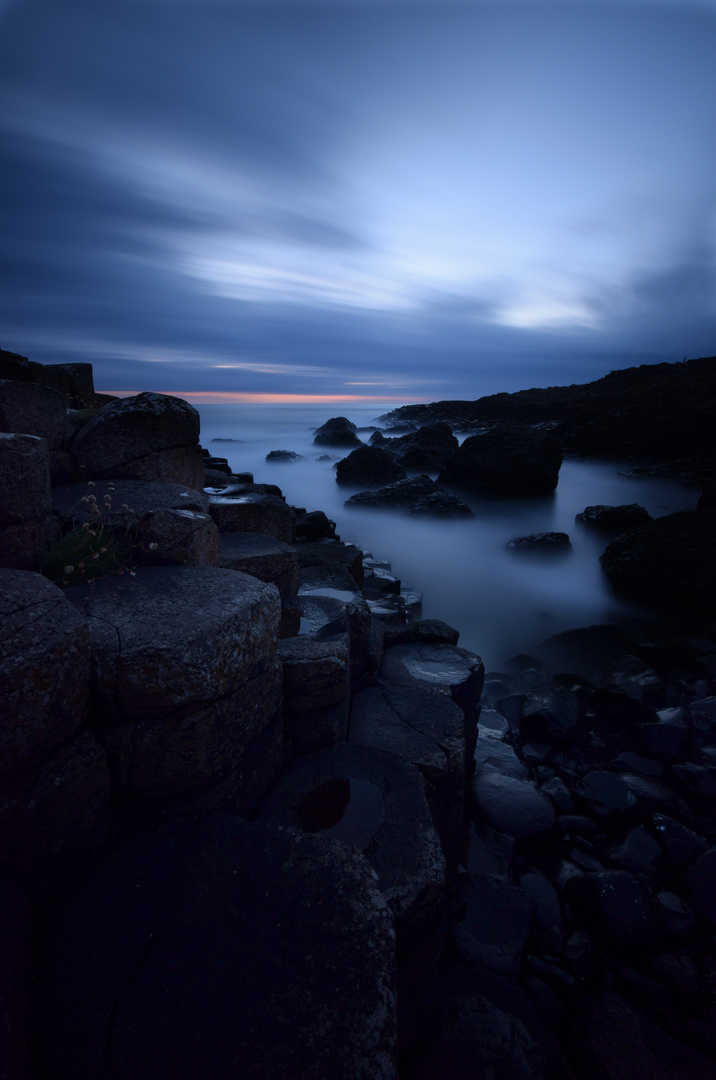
<point>502,602</point>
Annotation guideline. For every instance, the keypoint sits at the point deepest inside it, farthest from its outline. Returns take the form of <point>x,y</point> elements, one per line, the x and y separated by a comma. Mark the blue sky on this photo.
<point>394,200</point>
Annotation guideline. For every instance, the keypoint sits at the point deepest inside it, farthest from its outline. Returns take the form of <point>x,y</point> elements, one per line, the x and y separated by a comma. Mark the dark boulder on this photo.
<point>284,455</point>
<point>616,906</point>
<point>551,543</point>
<point>668,563</point>
<point>313,525</point>
<point>430,447</point>
<point>404,493</point>
<point>338,431</point>
<point>614,519</point>
<point>510,459</point>
<point>369,465</point>
<point>440,504</point>
<point>148,437</point>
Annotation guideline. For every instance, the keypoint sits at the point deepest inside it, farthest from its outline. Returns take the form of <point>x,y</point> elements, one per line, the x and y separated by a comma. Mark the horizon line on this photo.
<point>238,397</point>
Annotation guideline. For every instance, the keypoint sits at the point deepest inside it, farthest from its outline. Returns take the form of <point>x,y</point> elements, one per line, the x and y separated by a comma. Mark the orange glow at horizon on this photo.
<point>235,397</point>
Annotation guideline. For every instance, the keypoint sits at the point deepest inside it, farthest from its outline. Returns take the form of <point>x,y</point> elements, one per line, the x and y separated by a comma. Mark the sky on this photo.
<point>357,200</point>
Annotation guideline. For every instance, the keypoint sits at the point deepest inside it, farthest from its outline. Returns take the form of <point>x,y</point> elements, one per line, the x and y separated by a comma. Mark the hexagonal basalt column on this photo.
<point>185,681</point>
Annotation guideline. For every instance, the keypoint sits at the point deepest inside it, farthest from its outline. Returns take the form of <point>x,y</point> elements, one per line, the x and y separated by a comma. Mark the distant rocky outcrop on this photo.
<point>661,411</point>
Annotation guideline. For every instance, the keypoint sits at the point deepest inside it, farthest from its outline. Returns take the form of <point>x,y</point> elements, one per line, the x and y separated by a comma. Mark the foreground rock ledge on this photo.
<point>219,948</point>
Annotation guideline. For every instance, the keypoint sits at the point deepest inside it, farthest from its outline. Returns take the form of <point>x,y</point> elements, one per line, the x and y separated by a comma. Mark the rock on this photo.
<point>681,846</point>
<point>153,938</point>
<point>55,816</point>
<point>510,459</point>
<point>255,513</point>
<point>667,742</point>
<point>175,636</point>
<point>426,728</point>
<point>492,754</point>
<point>368,465</point>
<point>614,905</point>
<point>333,555</point>
<point>26,546</point>
<point>314,526</point>
<point>29,409</point>
<point>15,973</point>
<point>606,795</point>
<point>440,504</point>
<point>559,795</point>
<point>552,718</point>
<point>654,797</point>
<point>698,782</point>
<point>638,853</point>
<point>490,1028</point>
<point>316,684</point>
<point>491,852</point>
<point>700,881</point>
<point>183,678</point>
<point>614,519</point>
<point>430,447</point>
<point>141,497</point>
<point>375,802</point>
<point>404,493</point>
<point>24,479</point>
<point>448,668</point>
<point>185,537</point>
<point>430,631</point>
<point>668,563</point>
<point>148,437</point>
<point>44,669</point>
<point>550,543</point>
<point>511,805</point>
<point>632,676</point>
<point>497,922</point>
<point>337,431</point>
<point>677,918</point>
<point>284,455</point>
<point>547,910</point>
<point>624,1043</point>
<point>264,558</point>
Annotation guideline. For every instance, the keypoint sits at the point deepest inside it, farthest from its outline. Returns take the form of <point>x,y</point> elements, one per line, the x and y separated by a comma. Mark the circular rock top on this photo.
<point>373,800</point>
<point>175,636</point>
<point>220,948</point>
<point>133,427</point>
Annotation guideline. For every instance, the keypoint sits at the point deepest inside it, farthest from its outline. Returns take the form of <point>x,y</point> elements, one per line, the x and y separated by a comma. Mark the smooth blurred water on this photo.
<point>501,602</point>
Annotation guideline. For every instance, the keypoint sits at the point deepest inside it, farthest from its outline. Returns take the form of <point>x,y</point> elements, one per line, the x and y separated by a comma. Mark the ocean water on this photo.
<point>501,602</point>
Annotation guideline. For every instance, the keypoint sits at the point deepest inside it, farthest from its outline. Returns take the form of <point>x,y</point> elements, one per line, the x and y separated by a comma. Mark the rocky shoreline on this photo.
<point>248,827</point>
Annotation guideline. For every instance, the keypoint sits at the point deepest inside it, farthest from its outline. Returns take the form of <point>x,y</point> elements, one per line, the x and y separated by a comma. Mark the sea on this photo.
<point>503,603</point>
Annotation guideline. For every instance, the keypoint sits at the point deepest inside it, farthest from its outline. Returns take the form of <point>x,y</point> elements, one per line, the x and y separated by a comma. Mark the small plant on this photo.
<point>91,548</point>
